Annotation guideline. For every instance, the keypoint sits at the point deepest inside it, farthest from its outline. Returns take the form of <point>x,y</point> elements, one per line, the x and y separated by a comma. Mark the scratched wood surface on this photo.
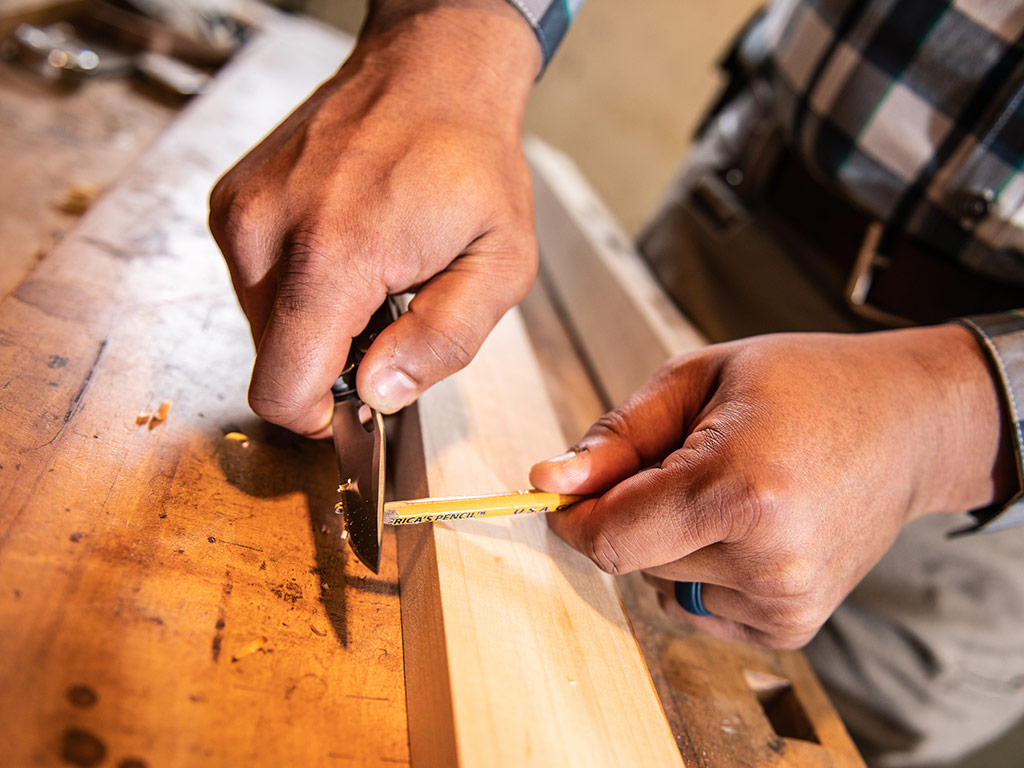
<point>169,597</point>
<point>599,325</point>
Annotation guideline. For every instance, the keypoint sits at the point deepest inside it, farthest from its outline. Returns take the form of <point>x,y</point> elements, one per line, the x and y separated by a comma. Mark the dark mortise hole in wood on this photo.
<point>781,706</point>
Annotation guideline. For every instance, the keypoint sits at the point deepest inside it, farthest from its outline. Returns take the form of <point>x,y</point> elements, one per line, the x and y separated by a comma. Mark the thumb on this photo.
<point>640,433</point>
<point>447,322</point>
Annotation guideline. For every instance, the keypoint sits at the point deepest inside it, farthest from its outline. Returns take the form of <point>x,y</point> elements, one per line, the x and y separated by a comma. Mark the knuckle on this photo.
<point>787,628</point>
<point>789,577</point>
<point>452,344</point>
<point>760,503</point>
<point>784,641</point>
<point>310,249</point>
<point>765,503</point>
<point>522,278</point>
<point>277,397</point>
<point>798,618</point>
<point>233,214</point>
<point>613,424</point>
<point>600,548</point>
<point>273,406</point>
<point>314,277</point>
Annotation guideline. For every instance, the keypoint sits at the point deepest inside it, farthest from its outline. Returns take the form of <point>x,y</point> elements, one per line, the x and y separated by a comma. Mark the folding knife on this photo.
<point>359,443</point>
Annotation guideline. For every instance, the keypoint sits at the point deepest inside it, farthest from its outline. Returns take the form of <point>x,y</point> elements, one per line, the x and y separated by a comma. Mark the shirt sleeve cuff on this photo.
<point>1002,337</point>
<point>550,20</point>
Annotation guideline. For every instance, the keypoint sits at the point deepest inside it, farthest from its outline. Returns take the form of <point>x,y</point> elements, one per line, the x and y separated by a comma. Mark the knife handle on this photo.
<point>345,386</point>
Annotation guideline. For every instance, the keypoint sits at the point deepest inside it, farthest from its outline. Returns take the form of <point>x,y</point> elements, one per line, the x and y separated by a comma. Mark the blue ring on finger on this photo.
<point>688,595</point>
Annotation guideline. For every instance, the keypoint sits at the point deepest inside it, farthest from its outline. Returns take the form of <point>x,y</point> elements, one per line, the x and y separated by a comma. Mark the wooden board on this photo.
<point>518,652</point>
<point>167,597</point>
<point>624,323</point>
<point>728,704</point>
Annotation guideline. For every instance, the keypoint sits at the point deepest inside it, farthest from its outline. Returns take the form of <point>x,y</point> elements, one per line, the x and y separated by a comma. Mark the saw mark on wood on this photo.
<point>218,628</point>
<point>218,636</point>
<point>74,402</point>
<point>214,540</point>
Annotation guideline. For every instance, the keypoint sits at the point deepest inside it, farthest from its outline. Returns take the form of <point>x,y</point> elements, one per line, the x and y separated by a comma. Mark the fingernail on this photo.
<point>393,389</point>
<point>572,454</point>
<point>562,458</point>
<point>563,473</point>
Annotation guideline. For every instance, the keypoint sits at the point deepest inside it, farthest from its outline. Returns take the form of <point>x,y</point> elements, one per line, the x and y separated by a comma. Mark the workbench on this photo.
<point>169,596</point>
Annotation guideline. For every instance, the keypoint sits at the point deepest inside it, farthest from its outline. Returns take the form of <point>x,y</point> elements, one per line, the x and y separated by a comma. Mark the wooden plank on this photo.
<point>712,691</point>
<point>705,684</point>
<point>168,597</point>
<point>625,324</point>
<point>517,649</point>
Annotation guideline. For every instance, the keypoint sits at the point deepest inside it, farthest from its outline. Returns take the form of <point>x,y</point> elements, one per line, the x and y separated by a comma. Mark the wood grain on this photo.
<point>518,652</point>
<point>708,687</point>
<point>167,596</point>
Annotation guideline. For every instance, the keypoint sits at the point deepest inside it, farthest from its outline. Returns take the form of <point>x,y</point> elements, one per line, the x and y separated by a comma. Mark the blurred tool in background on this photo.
<point>174,45</point>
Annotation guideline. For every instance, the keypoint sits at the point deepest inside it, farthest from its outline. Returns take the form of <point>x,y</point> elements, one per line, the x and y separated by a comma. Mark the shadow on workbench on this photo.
<point>274,448</point>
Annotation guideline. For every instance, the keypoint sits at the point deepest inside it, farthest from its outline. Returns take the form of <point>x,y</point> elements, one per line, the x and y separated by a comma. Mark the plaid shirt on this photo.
<point>915,110</point>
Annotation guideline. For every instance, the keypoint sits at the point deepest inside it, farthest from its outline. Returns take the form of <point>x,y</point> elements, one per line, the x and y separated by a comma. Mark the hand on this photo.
<point>403,172</point>
<point>784,467</point>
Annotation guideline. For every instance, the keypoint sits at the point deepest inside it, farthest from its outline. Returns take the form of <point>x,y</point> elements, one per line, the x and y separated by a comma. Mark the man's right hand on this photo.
<point>402,172</point>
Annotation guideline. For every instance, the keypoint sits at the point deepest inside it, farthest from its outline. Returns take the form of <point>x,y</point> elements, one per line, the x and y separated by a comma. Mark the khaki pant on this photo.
<point>925,659</point>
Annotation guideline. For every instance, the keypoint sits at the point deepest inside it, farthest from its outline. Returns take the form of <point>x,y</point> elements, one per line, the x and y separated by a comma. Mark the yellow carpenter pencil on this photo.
<point>469,507</point>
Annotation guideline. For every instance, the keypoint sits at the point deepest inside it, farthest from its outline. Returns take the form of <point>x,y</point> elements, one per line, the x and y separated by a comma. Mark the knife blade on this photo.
<point>359,443</point>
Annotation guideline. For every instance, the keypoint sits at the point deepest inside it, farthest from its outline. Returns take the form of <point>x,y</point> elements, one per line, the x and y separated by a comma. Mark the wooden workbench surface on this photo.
<point>169,597</point>
<point>172,597</point>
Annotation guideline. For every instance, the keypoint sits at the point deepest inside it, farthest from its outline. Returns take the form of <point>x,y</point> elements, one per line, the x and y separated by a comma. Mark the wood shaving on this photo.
<point>238,437</point>
<point>78,198</point>
<point>161,413</point>
<point>142,417</point>
<point>249,649</point>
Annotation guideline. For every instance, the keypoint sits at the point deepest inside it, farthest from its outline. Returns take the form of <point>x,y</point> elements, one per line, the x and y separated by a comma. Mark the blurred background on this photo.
<point>625,90</point>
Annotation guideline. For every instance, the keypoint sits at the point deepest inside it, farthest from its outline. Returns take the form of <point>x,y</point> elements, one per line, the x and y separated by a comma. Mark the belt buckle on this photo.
<point>862,275</point>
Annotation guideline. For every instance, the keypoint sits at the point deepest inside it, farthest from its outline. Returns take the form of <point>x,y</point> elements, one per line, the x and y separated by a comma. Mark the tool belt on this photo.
<point>905,281</point>
<point>893,278</point>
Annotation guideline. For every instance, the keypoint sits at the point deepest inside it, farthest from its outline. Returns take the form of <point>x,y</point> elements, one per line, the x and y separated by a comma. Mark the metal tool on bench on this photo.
<point>360,444</point>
